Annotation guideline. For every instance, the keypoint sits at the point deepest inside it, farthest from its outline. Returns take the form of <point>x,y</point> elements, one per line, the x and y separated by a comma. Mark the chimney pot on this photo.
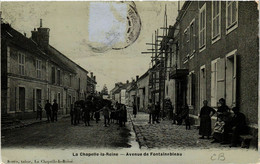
<point>137,77</point>
<point>40,22</point>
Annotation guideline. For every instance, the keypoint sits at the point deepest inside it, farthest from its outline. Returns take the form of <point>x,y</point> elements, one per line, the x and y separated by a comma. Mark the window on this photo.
<point>192,37</point>
<point>58,77</point>
<point>53,75</point>
<point>216,19</point>
<point>186,42</point>
<point>231,15</point>
<point>39,68</point>
<point>202,27</point>
<point>21,62</point>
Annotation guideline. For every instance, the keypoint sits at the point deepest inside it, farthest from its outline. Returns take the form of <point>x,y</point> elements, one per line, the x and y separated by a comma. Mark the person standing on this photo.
<point>86,111</point>
<point>97,116</point>
<point>124,115</point>
<point>72,111</point>
<point>39,110</point>
<point>134,110</point>
<point>48,110</point>
<point>120,115</point>
<point>55,108</point>
<point>206,113</point>
<point>106,115</point>
<point>150,111</point>
<point>76,110</point>
<point>157,112</point>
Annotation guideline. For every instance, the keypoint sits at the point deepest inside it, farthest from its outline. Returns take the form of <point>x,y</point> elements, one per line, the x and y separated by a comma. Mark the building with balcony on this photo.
<point>217,57</point>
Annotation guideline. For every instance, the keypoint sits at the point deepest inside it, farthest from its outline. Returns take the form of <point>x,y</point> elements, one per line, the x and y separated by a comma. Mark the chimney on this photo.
<point>137,77</point>
<point>127,81</point>
<point>133,80</point>
<point>40,23</point>
<point>41,36</point>
<point>91,75</point>
<point>94,78</point>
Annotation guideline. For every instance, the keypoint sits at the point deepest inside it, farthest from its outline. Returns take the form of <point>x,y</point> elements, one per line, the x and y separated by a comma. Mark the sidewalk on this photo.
<point>27,122</point>
<point>167,135</point>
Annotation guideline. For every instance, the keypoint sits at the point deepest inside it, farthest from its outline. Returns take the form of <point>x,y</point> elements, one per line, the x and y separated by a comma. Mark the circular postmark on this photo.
<point>133,26</point>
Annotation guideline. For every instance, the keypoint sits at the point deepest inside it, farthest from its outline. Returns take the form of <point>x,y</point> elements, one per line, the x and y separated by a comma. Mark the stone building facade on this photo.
<point>219,54</point>
<point>33,71</point>
<point>143,92</point>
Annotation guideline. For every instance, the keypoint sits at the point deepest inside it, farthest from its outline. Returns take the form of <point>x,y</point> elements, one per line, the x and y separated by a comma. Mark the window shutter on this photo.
<point>234,81</point>
<point>189,89</point>
<point>17,98</point>
<point>213,85</point>
<point>35,100</point>
<point>192,89</point>
<point>221,78</point>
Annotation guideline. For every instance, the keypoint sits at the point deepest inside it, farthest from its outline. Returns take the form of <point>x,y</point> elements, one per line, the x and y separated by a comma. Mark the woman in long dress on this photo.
<point>206,113</point>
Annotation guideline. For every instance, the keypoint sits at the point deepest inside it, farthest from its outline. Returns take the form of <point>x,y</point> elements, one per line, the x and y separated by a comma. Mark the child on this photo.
<point>97,116</point>
<point>187,122</point>
<point>218,129</point>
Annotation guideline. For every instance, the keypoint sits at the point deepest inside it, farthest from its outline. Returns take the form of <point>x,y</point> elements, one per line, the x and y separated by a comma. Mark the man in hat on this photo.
<point>39,110</point>
<point>55,108</point>
<point>48,110</point>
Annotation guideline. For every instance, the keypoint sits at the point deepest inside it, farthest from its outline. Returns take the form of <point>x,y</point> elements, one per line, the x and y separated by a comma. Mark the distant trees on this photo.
<point>104,91</point>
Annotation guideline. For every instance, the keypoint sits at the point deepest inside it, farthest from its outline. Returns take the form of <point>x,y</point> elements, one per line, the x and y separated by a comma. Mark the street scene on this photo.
<point>130,75</point>
<point>137,132</point>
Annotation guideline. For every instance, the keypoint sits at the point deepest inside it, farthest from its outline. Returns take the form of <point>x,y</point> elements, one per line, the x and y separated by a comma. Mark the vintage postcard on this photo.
<point>129,82</point>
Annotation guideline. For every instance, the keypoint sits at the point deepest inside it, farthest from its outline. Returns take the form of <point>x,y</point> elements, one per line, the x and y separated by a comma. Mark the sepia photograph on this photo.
<point>129,82</point>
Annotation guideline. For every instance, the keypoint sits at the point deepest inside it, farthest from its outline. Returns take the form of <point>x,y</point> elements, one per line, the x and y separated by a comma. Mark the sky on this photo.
<point>77,27</point>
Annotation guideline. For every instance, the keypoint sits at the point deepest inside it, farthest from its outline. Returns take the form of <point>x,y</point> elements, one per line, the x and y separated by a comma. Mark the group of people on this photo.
<point>225,124</point>
<point>112,113</point>
<point>154,112</point>
<point>50,109</point>
<point>116,113</point>
<point>80,111</point>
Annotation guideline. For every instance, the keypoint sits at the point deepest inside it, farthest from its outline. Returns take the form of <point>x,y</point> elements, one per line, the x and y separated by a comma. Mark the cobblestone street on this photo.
<point>63,135</point>
<point>167,135</point>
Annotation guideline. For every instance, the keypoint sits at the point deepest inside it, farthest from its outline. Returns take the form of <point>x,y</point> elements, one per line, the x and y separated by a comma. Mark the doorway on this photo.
<point>202,85</point>
<point>22,98</point>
